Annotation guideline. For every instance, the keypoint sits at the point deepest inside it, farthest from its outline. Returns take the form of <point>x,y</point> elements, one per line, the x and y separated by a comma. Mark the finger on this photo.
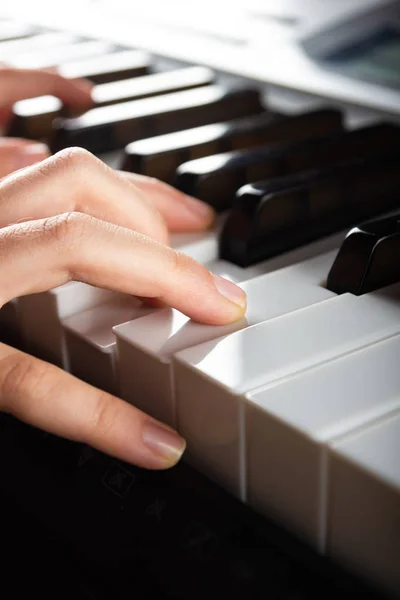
<point>39,255</point>
<point>181,212</point>
<point>49,398</point>
<point>75,180</point>
<point>18,84</point>
<point>17,153</point>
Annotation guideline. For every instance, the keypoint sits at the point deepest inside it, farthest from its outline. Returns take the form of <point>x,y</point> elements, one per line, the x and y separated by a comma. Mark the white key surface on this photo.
<point>146,346</point>
<point>364,503</point>
<point>211,378</point>
<point>289,425</point>
<point>91,343</point>
<point>40,317</point>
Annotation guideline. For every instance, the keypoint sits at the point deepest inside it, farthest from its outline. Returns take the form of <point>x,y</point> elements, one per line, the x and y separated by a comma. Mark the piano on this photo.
<point>290,485</point>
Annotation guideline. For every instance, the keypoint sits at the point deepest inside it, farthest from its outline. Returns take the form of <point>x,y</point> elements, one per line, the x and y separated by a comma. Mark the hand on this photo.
<point>18,84</point>
<point>86,222</point>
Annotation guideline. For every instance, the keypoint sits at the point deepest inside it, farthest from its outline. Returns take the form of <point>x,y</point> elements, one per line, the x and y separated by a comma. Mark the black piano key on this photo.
<point>368,259</point>
<point>106,68</point>
<point>160,157</point>
<point>112,127</point>
<point>215,179</point>
<point>45,42</point>
<point>278,215</point>
<point>14,30</point>
<point>43,59</point>
<point>33,118</point>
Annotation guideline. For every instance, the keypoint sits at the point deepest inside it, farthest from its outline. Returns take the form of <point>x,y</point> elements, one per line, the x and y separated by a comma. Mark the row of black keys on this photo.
<point>313,177</point>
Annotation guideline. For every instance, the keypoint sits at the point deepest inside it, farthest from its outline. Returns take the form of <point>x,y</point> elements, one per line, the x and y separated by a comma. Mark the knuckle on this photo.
<point>68,230</point>
<point>178,263</point>
<point>20,376</point>
<point>104,416</point>
<point>74,159</point>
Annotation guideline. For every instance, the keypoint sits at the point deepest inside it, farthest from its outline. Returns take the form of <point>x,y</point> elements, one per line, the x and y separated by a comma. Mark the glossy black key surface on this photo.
<point>111,127</point>
<point>368,259</point>
<point>275,216</point>
<point>33,118</point>
<point>160,156</point>
<point>106,68</point>
<point>215,179</point>
<point>44,59</point>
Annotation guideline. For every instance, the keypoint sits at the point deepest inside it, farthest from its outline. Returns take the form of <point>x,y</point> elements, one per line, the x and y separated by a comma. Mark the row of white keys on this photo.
<point>290,424</point>
<point>91,343</point>
<point>145,347</point>
<point>364,503</point>
<point>212,379</point>
<point>40,315</point>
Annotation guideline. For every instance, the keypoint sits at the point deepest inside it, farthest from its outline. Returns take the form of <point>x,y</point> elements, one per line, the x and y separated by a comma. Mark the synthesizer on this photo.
<point>290,485</point>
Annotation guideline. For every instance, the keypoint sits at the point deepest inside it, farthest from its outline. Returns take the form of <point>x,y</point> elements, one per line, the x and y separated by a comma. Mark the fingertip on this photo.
<point>231,292</point>
<point>84,89</point>
<point>165,444</point>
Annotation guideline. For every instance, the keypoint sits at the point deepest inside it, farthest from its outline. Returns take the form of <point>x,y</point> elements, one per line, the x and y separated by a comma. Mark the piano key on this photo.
<point>290,424</point>
<point>211,379</point>
<point>368,259</point>
<point>106,68</point>
<point>215,179</point>
<point>364,502</point>
<point>40,317</point>
<point>44,42</point>
<point>90,341</point>
<point>43,59</point>
<point>145,346</point>
<point>160,156</point>
<point>34,117</point>
<point>14,30</point>
<point>283,213</point>
<point>111,127</point>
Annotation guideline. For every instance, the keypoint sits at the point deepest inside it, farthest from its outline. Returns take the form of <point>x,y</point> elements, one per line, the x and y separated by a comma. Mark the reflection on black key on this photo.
<point>111,127</point>
<point>272,217</point>
<point>215,179</point>
<point>368,259</point>
<point>33,118</point>
<point>44,59</point>
<point>9,50</point>
<point>160,157</point>
<point>108,67</point>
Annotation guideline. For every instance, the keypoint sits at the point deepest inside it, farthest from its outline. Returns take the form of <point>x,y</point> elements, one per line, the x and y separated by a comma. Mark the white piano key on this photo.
<point>42,42</point>
<point>211,378</point>
<point>40,317</point>
<point>146,346</point>
<point>91,343</point>
<point>290,423</point>
<point>364,503</point>
<point>76,51</point>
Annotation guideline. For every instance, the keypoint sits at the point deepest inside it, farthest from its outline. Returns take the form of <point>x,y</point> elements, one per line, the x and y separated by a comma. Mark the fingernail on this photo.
<point>31,154</point>
<point>164,441</point>
<point>231,291</point>
<point>199,208</point>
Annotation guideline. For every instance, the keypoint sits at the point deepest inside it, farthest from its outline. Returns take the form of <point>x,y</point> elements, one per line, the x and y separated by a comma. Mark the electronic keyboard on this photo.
<point>290,485</point>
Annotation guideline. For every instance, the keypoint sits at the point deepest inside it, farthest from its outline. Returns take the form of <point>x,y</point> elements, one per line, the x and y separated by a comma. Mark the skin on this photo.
<point>71,217</point>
